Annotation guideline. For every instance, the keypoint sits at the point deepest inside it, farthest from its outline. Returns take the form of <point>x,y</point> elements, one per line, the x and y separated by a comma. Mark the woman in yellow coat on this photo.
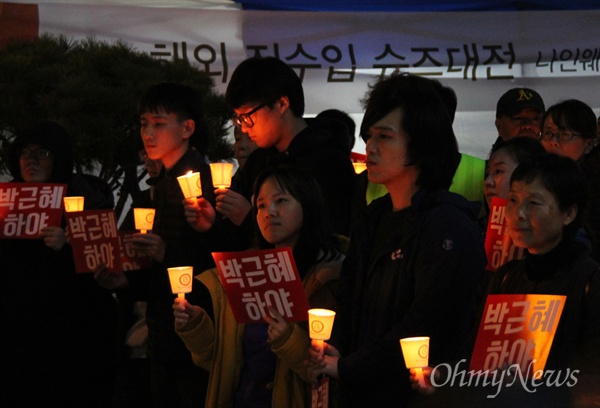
<point>262,365</point>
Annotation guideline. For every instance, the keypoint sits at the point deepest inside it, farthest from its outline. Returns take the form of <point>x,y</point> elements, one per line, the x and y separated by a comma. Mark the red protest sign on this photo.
<point>130,259</point>
<point>26,208</point>
<point>516,330</point>
<point>320,393</point>
<point>95,239</point>
<point>499,247</point>
<point>254,280</point>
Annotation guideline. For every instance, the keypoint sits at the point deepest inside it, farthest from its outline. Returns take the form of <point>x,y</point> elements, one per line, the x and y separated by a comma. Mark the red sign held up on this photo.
<point>26,208</point>
<point>516,330</point>
<point>95,239</point>
<point>255,280</point>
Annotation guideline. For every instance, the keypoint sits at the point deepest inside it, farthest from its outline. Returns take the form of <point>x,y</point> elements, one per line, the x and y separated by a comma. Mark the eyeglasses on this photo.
<point>39,154</point>
<point>245,118</point>
<point>563,136</point>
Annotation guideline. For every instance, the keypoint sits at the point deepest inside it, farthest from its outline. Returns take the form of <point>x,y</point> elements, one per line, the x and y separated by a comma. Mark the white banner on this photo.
<point>479,54</point>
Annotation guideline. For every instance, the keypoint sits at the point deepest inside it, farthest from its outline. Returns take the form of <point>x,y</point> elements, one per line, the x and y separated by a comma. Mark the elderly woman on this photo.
<point>415,256</point>
<point>545,204</point>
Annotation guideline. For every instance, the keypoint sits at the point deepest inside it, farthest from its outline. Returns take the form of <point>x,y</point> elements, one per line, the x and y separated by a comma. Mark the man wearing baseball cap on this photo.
<point>519,113</point>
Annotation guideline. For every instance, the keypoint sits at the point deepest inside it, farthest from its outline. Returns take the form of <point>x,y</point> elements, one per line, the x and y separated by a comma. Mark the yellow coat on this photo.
<point>217,347</point>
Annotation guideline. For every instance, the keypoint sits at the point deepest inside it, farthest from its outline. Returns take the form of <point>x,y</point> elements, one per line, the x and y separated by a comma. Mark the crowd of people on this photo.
<point>396,251</point>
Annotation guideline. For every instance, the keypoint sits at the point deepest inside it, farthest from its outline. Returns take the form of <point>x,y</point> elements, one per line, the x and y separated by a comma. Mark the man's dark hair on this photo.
<point>264,80</point>
<point>448,96</point>
<point>521,149</point>
<point>344,118</point>
<point>432,145</point>
<point>178,99</point>
<point>53,137</point>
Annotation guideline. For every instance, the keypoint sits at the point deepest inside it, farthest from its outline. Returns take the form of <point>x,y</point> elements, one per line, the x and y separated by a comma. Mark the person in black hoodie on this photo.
<point>267,99</point>
<point>415,256</point>
<point>171,118</point>
<point>58,343</point>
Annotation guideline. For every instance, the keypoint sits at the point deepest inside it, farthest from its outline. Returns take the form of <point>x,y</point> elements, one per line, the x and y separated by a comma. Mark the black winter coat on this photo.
<point>421,283</point>
<point>569,270</point>
<point>318,150</point>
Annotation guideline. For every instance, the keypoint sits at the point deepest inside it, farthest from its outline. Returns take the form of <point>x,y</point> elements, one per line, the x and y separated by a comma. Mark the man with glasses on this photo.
<point>519,113</point>
<point>267,99</point>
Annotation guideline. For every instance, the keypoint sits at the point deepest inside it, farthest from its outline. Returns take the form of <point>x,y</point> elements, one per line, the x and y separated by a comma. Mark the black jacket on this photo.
<point>420,283</point>
<point>567,270</point>
<point>184,246</point>
<point>317,149</point>
<point>59,328</point>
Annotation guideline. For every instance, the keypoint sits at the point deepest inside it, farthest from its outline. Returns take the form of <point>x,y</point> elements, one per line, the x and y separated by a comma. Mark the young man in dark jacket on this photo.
<point>267,99</point>
<point>170,117</point>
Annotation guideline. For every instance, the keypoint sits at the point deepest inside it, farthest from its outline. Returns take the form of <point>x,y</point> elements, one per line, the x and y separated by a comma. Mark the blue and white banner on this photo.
<point>337,54</point>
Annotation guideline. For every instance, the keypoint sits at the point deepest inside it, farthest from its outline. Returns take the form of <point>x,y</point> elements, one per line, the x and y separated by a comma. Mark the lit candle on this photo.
<point>144,219</point>
<point>190,184</point>
<point>359,167</point>
<point>181,278</point>
<point>416,355</point>
<point>320,324</point>
<point>221,174</point>
<point>73,203</point>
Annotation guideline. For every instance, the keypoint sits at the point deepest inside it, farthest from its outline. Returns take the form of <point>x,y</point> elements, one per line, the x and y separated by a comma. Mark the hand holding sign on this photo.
<point>257,280</point>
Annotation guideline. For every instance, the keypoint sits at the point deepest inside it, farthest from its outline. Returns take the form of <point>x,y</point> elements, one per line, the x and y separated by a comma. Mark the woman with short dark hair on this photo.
<point>544,210</point>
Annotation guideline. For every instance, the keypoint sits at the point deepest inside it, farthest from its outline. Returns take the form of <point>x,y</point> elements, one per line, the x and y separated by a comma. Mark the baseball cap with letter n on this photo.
<point>517,99</point>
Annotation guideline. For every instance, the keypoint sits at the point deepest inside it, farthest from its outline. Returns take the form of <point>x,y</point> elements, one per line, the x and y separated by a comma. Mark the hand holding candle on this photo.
<point>181,278</point>
<point>221,174</point>
<point>416,355</point>
<point>73,203</point>
<point>144,219</point>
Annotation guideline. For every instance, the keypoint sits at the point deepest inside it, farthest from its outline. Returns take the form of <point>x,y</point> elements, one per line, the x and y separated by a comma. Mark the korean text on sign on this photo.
<point>516,330</point>
<point>95,239</point>
<point>499,247</point>
<point>26,208</point>
<point>255,280</point>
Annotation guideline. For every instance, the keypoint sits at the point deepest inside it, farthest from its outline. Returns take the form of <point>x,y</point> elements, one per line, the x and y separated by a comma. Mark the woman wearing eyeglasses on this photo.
<point>569,129</point>
<point>58,327</point>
